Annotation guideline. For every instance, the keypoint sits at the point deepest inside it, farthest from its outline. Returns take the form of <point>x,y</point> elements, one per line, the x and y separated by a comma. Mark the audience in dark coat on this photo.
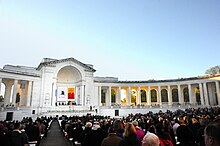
<point>130,137</point>
<point>95,136</point>
<point>112,139</point>
<point>185,136</point>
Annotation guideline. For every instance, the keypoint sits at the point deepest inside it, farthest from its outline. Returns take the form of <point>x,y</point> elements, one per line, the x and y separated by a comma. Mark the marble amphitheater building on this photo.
<point>68,85</point>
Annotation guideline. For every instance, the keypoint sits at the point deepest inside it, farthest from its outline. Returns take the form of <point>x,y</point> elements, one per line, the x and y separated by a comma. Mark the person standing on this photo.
<point>130,137</point>
<point>95,136</point>
<point>17,138</point>
<point>139,132</point>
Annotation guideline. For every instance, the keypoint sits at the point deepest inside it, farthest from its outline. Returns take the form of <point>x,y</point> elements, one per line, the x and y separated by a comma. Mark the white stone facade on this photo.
<point>45,88</point>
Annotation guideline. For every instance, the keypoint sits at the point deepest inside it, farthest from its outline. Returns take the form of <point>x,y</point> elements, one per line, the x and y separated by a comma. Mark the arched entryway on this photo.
<point>175,97</point>
<point>68,83</point>
<point>164,95</point>
<point>143,96</point>
<point>186,95</point>
<point>153,96</point>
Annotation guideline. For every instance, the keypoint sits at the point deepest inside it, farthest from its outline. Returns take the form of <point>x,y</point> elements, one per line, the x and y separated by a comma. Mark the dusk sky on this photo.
<point>128,39</point>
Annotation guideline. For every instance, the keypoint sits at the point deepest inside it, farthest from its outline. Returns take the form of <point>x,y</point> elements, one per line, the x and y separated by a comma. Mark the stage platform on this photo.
<point>18,113</point>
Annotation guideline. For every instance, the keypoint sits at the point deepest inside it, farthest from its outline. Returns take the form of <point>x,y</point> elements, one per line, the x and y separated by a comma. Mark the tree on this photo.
<point>133,97</point>
<point>213,70</point>
<point>1,98</point>
<point>113,96</point>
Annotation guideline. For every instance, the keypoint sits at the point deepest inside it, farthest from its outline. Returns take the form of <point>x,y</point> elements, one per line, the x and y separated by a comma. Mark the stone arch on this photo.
<point>143,95</point>
<point>59,67</point>
<point>153,95</point>
<point>175,97</point>
<point>164,95</point>
<point>186,94</point>
<point>133,96</point>
<point>69,74</point>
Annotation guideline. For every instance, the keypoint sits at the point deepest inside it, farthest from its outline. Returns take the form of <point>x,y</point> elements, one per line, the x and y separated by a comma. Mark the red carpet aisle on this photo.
<point>54,137</point>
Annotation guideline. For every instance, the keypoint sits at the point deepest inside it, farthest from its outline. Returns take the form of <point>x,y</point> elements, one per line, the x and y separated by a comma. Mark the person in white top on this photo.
<point>175,126</point>
<point>150,139</point>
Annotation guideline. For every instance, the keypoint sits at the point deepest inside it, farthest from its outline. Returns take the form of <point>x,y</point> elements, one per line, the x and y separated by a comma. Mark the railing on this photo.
<point>174,105</point>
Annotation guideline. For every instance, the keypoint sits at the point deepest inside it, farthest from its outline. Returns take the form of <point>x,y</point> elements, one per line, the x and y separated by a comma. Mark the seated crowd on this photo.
<point>179,128</point>
<point>23,133</point>
<point>189,127</point>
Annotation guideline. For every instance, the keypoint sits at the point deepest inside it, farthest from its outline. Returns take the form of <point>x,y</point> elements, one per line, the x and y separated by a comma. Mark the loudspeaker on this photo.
<point>33,112</point>
<point>9,116</point>
<point>116,112</point>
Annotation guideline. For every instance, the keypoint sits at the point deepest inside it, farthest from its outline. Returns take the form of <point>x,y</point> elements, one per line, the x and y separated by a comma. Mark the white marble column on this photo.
<point>159,96</point>
<point>82,95</point>
<point>138,99</point>
<point>55,94</point>
<point>194,102</point>
<point>149,97</point>
<point>28,104</point>
<point>0,84</point>
<point>218,91</point>
<point>206,94</point>
<point>211,93</point>
<point>201,94</point>
<point>170,101</point>
<point>7,94</point>
<point>181,101</point>
<point>190,93</point>
<point>109,96</point>
<point>14,91</point>
<point>100,95</point>
<point>119,95</point>
<point>75,95</point>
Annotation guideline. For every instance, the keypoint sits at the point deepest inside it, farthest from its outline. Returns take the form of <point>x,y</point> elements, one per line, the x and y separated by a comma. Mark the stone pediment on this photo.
<point>53,62</point>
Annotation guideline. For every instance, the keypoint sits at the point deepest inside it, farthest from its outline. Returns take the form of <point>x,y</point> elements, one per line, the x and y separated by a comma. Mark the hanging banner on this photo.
<point>71,93</point>
<point>61,94</point>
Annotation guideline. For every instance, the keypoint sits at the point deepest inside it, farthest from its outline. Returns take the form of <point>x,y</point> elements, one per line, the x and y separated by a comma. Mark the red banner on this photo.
<point>71,93</point>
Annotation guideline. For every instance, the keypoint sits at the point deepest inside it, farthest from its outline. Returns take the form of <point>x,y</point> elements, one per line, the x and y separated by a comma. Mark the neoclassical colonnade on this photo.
<point>160,94</point>
<point>14,86</point>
